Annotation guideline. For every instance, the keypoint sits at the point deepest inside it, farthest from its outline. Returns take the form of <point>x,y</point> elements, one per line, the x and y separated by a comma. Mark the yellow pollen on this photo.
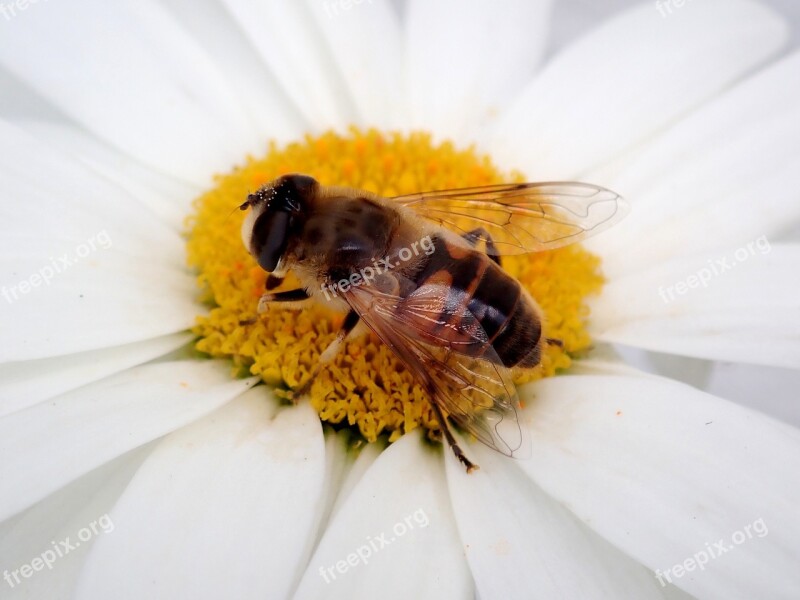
<point>366,387</point>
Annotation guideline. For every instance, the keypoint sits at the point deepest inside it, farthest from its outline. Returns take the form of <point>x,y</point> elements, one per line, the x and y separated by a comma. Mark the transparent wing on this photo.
<point>522,217</point>
<point>475,391</point>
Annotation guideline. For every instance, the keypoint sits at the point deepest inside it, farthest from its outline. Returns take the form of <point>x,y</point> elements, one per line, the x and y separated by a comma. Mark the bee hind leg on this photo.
<point>451,440</point>
<point>481,234</point>
<point>350,321</point>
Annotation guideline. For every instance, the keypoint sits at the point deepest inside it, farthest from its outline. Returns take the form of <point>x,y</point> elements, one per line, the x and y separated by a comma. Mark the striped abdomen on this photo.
<point>478,294</point>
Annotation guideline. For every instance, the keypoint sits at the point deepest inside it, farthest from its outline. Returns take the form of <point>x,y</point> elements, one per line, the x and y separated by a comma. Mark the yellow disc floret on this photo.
<point>366,386</point>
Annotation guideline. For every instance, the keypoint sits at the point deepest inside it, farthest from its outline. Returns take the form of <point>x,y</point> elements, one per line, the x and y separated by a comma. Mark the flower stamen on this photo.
<point>365,387</point>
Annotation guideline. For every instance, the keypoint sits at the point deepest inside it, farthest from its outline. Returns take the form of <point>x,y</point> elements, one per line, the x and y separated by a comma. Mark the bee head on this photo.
<point>277,210</point>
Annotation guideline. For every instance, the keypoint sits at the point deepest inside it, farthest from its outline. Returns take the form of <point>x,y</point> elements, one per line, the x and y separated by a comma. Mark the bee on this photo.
<point>422,271</point>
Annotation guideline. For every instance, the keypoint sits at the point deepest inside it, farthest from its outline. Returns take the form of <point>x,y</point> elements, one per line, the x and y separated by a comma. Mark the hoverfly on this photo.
<point>423,272</point>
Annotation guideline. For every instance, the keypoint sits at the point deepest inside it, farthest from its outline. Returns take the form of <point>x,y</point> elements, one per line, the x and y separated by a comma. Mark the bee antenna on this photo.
<point>244,205</point>
<point>240,207</point>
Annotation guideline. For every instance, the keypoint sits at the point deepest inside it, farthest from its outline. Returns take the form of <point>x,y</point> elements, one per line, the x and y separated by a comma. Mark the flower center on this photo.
<point>366,387</point>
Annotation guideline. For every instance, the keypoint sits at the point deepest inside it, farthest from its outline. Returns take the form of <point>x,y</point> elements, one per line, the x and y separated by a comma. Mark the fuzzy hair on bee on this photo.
<point>423,272</point>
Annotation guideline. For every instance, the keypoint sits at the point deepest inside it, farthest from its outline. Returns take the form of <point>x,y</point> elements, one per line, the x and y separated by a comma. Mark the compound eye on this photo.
<point>271,234</point>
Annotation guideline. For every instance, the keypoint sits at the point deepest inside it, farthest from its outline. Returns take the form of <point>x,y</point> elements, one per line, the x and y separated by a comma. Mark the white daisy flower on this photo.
<point>133,466</point>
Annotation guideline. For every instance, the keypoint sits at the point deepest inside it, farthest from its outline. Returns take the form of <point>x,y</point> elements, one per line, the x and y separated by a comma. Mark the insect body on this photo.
<point>423,273</point>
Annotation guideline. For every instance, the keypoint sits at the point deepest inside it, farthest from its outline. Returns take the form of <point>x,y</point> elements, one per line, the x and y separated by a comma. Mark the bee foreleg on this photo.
<point>448,435</point>
<point>277,297</point>
<point>350,321</point>
<point>287,296</point>
<point>480,233</point>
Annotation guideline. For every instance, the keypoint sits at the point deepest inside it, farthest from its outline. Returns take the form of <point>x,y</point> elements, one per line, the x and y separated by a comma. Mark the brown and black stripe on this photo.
<point>479,294</point>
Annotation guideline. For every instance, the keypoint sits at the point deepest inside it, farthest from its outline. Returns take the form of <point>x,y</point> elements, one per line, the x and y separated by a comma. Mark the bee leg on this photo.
<point>267,299</point>
<point>273,281</point>
<point>287,296</point>
<point>448,435</point>
<point>554,342</point>
<point>480,233</point>
<point>350,321</point>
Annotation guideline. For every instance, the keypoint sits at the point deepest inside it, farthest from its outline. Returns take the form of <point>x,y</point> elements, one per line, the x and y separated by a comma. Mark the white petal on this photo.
<point>82,256</point>
<point>606,359</point>
<point>57,530</point>
<point>166,197</point>
<point>23,384</point>
<point>19,101</point>
<point>52,443</point>
<point>632,75</point>
<point>92,304</point>
<point>770,390</point>
<point>223,508</point>
<point>518,539</point>
<point>729,172</point>
<point>338,460</point>
<point>49,195</point>
<point>268,108</point>
<point>361,465</point>
<point>464,60</point>
<point>661,470</point>
<point>132,76</point>
<point>298,57</point>
<point>364,40</point>
<point>737,304</point>
<point>396,531</point>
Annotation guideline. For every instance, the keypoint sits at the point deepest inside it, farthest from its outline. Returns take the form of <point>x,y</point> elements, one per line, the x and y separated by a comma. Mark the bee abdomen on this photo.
<point>476,285</point>
<point>510,321</point>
